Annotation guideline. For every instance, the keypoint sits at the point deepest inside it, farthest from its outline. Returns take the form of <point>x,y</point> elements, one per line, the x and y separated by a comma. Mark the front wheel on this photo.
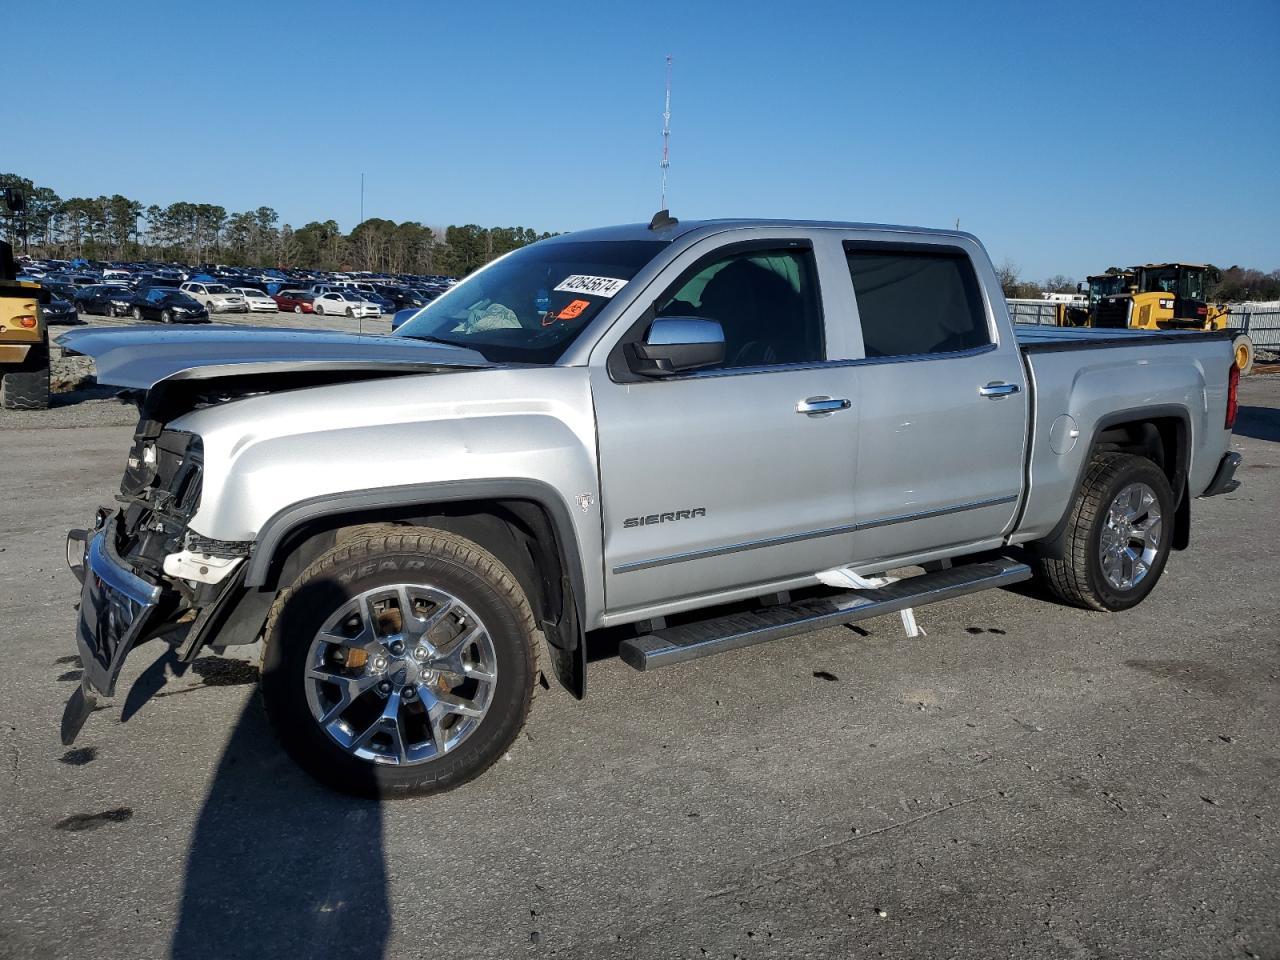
<point>400,662</point>
<point>136,313</point>
<point>1116,541</point>
<point>297,309</point>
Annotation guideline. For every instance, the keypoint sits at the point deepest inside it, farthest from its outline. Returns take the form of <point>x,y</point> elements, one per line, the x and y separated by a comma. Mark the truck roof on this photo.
<point>681,228</point>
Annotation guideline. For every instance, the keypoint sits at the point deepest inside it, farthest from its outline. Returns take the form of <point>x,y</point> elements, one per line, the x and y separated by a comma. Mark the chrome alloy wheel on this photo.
<point>1130,538</point>
<point>401,674</point>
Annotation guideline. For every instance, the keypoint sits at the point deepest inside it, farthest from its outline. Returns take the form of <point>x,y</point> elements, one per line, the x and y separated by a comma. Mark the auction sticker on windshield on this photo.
<point>592,286</point>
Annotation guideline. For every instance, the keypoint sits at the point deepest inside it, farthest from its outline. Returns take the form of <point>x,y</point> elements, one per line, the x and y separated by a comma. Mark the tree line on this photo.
<point>1238,284</point>
<point>121,228</point>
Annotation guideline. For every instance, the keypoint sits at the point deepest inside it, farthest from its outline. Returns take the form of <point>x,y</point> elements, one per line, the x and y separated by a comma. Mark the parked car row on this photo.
<point>84,288</point>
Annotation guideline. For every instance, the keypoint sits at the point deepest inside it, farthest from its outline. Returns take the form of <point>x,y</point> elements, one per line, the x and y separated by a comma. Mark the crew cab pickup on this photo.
<point>678,437</point>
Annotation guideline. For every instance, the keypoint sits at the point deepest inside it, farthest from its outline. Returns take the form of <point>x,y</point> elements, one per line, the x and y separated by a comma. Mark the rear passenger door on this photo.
<point>942,402</point>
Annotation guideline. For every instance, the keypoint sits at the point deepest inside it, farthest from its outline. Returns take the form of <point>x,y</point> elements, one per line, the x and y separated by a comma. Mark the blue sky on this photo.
<point>1068,140</point>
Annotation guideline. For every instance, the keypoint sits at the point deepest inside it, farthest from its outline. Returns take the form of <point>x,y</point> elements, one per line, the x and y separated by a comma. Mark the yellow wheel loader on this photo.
<point>24,341</point>
<point>1171,296</point>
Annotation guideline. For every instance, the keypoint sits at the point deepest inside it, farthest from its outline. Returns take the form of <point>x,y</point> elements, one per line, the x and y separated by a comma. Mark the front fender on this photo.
<point>273,461</point>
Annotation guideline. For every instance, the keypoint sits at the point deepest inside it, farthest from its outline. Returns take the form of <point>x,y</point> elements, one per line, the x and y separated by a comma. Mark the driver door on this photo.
<point>719,481</point>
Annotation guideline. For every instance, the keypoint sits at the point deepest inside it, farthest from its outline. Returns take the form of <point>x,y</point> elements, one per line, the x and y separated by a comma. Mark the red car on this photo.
<point>299,301</point>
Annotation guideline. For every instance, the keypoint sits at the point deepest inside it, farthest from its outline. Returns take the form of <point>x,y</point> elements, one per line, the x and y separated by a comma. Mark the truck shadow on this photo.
<point>279,866</point>
<point>1260,423</point>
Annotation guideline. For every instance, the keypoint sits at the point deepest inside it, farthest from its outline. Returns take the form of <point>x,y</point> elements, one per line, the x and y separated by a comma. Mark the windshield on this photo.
<point>530,305</point>
<point>215,288</point>
<point>1107,286</point>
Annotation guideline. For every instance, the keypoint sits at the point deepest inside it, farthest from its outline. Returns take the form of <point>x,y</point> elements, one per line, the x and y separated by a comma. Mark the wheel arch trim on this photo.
<point>1181,466</point>
<point>278,528</point>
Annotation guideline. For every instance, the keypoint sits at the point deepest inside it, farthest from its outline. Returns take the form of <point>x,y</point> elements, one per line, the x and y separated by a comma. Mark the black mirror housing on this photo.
<point>676,345</point>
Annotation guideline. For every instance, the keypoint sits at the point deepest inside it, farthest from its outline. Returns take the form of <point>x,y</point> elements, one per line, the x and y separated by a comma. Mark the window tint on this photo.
<point>914,303</point>
<point>765,300</point>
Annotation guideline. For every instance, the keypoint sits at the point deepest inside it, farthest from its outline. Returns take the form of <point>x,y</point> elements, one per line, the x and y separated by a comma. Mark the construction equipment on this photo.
<point>1109,284</point>
<point>24,340</point>
<point>1168,296</point>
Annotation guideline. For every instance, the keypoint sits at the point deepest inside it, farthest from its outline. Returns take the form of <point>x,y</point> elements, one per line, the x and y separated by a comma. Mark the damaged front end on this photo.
<point>144,573</point>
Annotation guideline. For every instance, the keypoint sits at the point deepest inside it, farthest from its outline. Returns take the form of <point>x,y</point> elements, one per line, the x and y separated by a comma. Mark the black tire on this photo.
<point>376,556</point>
<point>166,316</point>
<point>1070,564</point>
<point>351,312</point>
<point>26,387</point>
<point>319,308</point>
<point>136,313</point>
<point>297,308</point>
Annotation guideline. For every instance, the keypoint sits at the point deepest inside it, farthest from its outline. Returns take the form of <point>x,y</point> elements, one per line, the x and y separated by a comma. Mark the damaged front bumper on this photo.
<point>116,605</point>
<point>120,609</point>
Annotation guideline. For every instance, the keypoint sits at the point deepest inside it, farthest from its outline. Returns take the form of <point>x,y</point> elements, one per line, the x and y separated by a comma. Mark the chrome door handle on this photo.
<point>821,406</point>
<point>996,390</point>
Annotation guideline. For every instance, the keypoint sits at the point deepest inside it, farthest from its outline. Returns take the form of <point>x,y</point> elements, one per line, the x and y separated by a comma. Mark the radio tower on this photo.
<point>666,137</point>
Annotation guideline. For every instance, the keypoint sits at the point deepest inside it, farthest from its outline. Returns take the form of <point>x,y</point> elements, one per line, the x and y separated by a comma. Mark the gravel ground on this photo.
<point>1026,781</point>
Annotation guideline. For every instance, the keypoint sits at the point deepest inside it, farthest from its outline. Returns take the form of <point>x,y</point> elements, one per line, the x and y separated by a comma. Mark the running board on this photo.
<point>731,631</point>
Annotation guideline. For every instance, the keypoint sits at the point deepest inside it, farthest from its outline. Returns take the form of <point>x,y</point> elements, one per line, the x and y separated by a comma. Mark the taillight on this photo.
<point>1233,388</point>
<point>26,321</point>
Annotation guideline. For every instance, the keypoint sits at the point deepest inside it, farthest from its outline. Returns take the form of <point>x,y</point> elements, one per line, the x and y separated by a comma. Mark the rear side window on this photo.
<point>916,302</point>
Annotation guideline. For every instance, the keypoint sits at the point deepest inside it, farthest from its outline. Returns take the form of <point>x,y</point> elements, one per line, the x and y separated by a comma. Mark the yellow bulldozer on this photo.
<point>1165,296</point>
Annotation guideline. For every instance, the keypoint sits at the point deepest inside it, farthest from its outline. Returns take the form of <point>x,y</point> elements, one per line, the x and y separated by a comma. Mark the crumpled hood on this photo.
<point>138,357</point>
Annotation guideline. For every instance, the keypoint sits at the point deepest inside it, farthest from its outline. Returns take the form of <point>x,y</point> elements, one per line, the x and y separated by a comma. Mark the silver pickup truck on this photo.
<point>671,439</point>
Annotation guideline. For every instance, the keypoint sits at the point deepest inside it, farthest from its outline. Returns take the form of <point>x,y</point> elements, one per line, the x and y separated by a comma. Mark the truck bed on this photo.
<point>1037,338</point>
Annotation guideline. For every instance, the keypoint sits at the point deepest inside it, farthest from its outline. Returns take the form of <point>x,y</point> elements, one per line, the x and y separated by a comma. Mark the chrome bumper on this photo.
<point>116,605</point>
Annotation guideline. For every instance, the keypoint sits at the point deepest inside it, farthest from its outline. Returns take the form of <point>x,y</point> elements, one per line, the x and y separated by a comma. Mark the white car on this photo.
<point>216,297</point>
<point>256,299</point>
<point>345,303</point>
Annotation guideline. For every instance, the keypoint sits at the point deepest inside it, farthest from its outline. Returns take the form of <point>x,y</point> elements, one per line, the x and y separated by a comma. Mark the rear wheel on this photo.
<point>298,308</point>
<point>1116,541</point>
<point>26,386</point>
<point>166,316</point>
<point>319,309</point>
<point>402,661</point>
<point>351,312</point>
<point>136,313</point>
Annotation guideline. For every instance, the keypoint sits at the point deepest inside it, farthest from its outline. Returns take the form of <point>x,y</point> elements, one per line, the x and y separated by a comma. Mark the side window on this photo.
<point>766,301</point>
<point>913,303</point>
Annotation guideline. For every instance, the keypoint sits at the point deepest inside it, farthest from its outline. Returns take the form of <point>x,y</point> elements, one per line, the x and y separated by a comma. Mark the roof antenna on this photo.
<point>663,217</point>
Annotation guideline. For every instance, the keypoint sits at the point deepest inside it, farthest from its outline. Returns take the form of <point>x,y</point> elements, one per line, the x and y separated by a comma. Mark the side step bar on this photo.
<point>731,631</point>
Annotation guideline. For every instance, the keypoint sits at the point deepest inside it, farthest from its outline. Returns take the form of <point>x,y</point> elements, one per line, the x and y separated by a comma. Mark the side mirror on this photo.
<point>677,344</point>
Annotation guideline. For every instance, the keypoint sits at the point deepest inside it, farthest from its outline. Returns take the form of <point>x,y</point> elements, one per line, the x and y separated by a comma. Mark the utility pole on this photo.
<point>666,137</point>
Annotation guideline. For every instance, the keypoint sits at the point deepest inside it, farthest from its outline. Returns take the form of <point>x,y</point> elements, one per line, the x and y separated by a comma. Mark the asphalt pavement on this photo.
<point>1027,780</point>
